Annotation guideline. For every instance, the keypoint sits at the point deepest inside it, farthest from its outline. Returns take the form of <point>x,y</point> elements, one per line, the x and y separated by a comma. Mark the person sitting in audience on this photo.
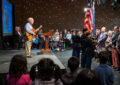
<point>70,77</point>
<point>35,43</point>
<point>68,37</point>
<point>56,38</point>
<point>87,77</point>
<point>61,42</point>
<point>18,71</point>
<point>64,33</point>
<point>103,70</point>
<point>46,72</point>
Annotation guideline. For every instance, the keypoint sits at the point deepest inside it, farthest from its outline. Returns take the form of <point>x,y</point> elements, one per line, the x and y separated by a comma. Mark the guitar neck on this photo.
<point>36,30</point>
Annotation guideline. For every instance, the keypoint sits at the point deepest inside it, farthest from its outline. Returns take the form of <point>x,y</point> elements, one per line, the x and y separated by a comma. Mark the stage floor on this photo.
<point>59,58</point>
<point>6,56</point>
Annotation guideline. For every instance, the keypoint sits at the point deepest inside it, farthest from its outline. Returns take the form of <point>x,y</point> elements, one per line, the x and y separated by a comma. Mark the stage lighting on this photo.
<point>85,9</point>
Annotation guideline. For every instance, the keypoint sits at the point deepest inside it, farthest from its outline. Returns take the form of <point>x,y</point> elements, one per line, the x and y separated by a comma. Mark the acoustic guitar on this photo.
<point>31,36</point>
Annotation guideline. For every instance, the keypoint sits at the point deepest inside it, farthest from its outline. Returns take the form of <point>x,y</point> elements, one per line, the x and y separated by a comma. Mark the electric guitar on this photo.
<point>31,36</point>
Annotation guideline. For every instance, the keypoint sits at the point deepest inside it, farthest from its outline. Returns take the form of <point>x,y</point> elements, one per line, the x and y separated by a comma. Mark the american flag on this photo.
<point>89,23</point>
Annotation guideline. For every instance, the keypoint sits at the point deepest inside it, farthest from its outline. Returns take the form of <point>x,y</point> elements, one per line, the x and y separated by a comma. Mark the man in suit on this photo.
<point>102,39</point>
<point>18,38</point>
<point>28,29</point>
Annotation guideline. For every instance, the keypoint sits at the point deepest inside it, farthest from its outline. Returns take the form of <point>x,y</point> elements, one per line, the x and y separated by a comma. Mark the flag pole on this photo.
<point>94,31</point>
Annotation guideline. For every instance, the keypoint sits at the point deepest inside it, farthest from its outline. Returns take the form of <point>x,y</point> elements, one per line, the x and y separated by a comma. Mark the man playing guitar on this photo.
<point>30,33</point>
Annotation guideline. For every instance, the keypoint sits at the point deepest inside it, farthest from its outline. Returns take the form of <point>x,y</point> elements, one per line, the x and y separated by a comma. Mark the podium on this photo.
<point>47,41</point>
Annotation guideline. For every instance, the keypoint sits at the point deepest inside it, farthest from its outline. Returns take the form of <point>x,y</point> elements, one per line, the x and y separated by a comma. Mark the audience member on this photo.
<point>87,77</point>
<point>83,39</point>
<point>103,70</point>
<point>79,33</point>
<point>87,60</point>
<point>35,42</point>
<point>101,39</point>
<point>118,50</point>
<point>76,45</point>
<point>114,51</point>
<point>109,47</point>
<point>70,77</point>
<point>68,37</point>
<point>97,33</point>
<point>18,71</point>
<point>48,73</point>
<point>64,33</point>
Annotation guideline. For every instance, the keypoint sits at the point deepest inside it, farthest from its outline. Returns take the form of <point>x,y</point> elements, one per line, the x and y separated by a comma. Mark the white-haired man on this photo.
<point>18,38</point>
<point>102,39</point>
<point>28,29</point>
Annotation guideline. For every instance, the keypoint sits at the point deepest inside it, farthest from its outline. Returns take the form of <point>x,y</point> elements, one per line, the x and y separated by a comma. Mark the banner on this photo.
<point>7,17</point>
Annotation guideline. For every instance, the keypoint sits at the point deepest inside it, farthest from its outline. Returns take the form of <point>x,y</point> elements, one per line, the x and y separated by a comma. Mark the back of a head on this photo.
<point>103,57</point>
<point>18,66</point>
<point>87,34</point>
<point>88,77</point>
<point>73,64</point>
<point>84,30</point>
<point>47,69</point>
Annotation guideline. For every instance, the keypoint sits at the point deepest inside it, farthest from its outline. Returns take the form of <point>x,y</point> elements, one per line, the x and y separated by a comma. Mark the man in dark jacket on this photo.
<point>83,48</point>
<point>76,39</point>
<point>89,51</point>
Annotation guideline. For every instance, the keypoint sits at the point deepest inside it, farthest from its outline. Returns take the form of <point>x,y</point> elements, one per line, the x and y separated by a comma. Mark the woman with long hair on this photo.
<point>18,71</point>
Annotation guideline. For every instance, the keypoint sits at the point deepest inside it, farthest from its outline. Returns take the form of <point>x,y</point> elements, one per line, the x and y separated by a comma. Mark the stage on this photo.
<point>6,56</point>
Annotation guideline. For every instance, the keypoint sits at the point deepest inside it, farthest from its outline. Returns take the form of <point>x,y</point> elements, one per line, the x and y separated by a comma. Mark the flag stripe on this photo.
<point>89,22</point>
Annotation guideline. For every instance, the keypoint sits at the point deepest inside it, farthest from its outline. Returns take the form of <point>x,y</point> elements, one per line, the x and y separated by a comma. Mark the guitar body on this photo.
<point>30,36</point>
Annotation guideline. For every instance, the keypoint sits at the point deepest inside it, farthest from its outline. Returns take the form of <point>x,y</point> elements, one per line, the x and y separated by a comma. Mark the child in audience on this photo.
<point>103,70</point>
<point>87,77</point>
<point>18,71</point>
<point>48,73</point>
<point>70,77</point>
